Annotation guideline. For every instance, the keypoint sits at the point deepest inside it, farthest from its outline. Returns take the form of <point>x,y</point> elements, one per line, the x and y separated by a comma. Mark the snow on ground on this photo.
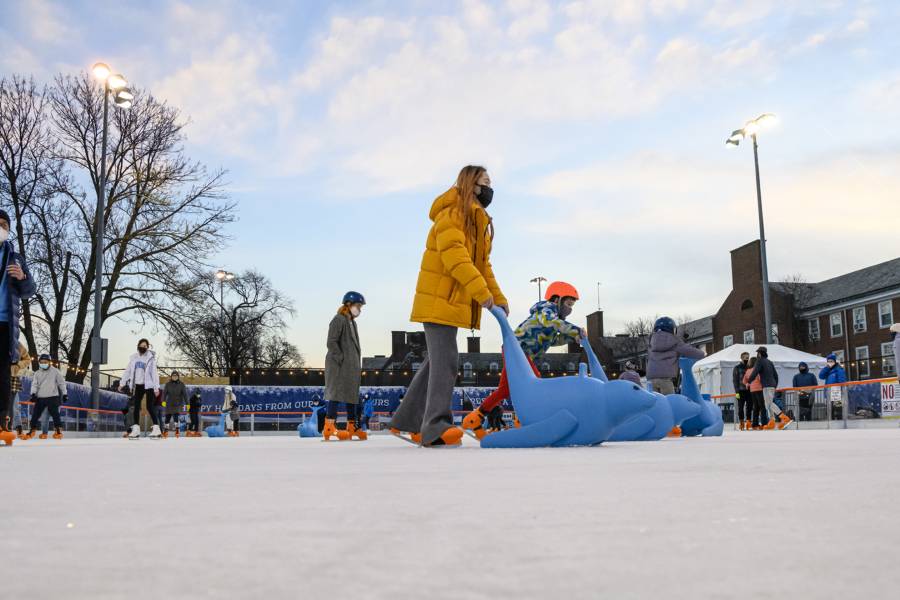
<point>808,514</point>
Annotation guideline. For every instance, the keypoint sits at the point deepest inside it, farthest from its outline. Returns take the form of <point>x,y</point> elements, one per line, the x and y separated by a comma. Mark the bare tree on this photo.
<point>801,292</point>
<point>164,213</point>
<point>236,328</point>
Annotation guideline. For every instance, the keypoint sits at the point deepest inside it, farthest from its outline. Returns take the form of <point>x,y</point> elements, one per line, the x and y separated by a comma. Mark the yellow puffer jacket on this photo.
<point>456,276</point>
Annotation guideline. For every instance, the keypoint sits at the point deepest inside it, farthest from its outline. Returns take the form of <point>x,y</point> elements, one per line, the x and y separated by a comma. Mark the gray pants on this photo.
<point>427,406</point>
<point>663,385</point>
<point>769,399</point>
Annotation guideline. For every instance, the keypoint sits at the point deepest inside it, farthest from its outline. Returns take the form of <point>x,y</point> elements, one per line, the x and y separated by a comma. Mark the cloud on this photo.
<point>47,22</point>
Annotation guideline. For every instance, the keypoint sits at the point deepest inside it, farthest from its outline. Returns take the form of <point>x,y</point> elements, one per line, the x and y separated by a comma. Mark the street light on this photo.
<point>751,128</point>
<point>222,275</point>
<point>539,280</point>
<point>598,295</point>
<point>122,99</point>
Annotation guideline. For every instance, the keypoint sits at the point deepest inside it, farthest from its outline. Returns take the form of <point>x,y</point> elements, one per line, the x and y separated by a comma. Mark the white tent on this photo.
<point>713,373</point>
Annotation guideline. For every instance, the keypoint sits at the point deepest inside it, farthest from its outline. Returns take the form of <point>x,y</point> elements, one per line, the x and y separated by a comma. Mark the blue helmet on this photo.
<point>353,298</point>
<point>664,324</point>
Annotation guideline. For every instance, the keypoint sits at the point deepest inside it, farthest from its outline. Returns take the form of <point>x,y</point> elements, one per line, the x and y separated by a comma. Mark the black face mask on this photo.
<point>142,349</point>
<point>745,361</point>
<point>564,311</point>
<point>485,196</point>
<point>803,369</point>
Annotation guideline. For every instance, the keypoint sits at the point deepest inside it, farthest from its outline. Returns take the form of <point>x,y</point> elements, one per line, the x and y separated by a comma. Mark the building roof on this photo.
<point>375,363</point>
<point>864,282</point>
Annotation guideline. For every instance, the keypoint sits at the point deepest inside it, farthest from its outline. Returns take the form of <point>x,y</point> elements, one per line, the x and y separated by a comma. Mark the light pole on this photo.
<point>122,98</point>
<point>222,275</point>
<point>751,128</point>
<point>539,280</point>
<point>598,295</point>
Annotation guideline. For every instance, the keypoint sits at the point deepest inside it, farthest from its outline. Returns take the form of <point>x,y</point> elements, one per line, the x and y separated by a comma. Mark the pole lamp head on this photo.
<point>101,71</point>
<point>124,98</point>
<point>735,138</point>
<point>221,274</point>
<point>116,82</point>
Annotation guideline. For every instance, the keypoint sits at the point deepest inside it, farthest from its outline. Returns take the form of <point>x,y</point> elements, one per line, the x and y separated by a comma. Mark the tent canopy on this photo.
<point>714,372</point>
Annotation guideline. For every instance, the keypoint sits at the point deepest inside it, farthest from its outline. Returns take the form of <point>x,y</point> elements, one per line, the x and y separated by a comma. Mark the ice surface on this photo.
<point>801,514</point>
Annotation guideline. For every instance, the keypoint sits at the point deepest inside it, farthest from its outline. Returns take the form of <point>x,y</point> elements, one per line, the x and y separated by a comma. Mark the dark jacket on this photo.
<point>806,379</point>
<point>18,291</point>
<point>665,349</point>
<point>737,377</point>
<point>766,370</point>
<point>175,396</point>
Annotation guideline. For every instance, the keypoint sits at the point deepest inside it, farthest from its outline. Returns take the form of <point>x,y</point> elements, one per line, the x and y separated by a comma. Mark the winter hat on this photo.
<point>831,356</point>
<point>762,351</point>
<point>803,366</point>
<point>5,215</point>
<point>42,356</point>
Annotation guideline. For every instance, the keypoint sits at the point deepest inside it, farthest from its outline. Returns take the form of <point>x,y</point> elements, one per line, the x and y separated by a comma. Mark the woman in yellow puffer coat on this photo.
<point>456,281</point>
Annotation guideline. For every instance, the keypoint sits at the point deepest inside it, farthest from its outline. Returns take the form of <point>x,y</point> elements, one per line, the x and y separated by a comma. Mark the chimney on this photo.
<point>474,345</point>
<point>595,325</point>
<point>746,266</point>
<point>398,344</point>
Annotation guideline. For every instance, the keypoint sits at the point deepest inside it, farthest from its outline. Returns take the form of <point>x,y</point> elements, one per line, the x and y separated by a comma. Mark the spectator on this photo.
<point>630,373</point>
<point>233,412</point>
<point>833,372</point>
<point>343,368</point>
<point>16,284</point>
<point>141,376</point>
<point>756,396</point>
<point>665,350</point>
<point>804,379</point>
<point>742,392</point>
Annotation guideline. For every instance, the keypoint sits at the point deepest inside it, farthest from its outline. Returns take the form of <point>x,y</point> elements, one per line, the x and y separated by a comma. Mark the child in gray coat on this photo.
<point>48,390</point>
<point>665,350</point>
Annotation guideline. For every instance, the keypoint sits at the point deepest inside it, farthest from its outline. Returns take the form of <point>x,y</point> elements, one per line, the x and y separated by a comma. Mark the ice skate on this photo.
<point>58,434</point>
<point>675,433</point>
<point>135,433</point>
<point>31,434</point>
<point>770,425</point>
<point>19,433</point>
<point>329,430</point>
<point>155,433</point>
<point>354,431</point>
<point>748,425</point>
<point>165,433</point>
<point>784,421</point>
<point>410,438</point>
<point>741,425</point>
<point>43,436</point>
<point>7,436</point>
<point>473,424</point>
<point>451,438</point>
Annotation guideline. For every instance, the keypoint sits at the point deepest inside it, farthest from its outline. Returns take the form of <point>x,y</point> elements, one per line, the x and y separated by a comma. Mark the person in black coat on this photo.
<point>768,376</point>
<point>741,391</point>
<point>804,379</point>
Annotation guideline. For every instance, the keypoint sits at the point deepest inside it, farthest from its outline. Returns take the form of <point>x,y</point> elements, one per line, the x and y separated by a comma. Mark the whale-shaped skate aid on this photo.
<point>566,411</point>
<point>217,430</point>
<point>709,422</point>
<point>310,426</point>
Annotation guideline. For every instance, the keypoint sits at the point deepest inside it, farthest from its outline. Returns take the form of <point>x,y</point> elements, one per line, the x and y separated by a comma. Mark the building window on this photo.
<point>494,367</point>
<point>571,367</point>
<point>775,333</point>
<point>888,360</point>
<point>748,336</point>
<point>859,319</point>
<point>885,314</point>
<point>862,362</point>
<point>747,304</point>
<point>545,367</point>
<point>839,355</point>
<point>837,324</point>
<point>728,340</point>
<point>467,369</point>
<point>814,329</point>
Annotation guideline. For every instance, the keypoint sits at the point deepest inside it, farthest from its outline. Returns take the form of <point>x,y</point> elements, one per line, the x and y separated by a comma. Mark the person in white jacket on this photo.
<point>142,378</point>
<point>232,412</point>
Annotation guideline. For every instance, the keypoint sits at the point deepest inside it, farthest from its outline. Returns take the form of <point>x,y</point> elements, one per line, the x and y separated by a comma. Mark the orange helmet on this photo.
<point>561,289</point>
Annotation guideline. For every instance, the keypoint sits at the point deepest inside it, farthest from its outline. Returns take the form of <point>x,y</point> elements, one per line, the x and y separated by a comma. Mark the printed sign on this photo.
<point>890,399</point>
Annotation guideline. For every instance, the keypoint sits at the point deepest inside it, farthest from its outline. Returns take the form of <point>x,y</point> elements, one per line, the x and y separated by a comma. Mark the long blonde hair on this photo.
<point>466,182</point>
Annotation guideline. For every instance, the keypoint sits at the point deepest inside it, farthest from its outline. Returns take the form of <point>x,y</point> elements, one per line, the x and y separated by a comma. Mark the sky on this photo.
<point>602,124</point>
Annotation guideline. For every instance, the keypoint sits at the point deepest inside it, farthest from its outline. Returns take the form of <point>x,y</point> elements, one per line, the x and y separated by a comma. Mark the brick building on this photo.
<point>849,314</point>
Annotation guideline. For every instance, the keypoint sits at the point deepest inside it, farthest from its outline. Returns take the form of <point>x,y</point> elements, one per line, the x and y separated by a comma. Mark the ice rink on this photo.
<point>800,514</point>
